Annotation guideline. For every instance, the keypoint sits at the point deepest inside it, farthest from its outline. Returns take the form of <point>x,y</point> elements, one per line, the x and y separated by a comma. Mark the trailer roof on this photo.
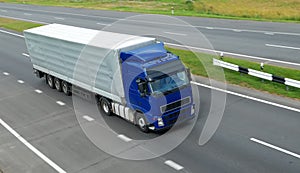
<point>103,39</point>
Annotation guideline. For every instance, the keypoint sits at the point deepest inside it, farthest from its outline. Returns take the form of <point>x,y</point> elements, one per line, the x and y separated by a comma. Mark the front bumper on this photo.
<point>174,117</point>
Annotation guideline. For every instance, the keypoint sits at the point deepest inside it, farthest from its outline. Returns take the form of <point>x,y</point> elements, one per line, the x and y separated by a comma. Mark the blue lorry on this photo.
<point>133,77</point>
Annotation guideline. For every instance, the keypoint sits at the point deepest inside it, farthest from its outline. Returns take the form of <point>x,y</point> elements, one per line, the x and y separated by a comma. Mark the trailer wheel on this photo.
<point>105,106</point>
<point>66,88</point>
<point>57,84</point>
<point>50,81</point>
<point>141,122</point>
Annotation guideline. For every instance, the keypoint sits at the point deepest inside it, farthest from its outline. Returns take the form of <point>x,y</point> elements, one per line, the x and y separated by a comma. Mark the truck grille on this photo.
<point>172,118</point>
<point>175,105</point>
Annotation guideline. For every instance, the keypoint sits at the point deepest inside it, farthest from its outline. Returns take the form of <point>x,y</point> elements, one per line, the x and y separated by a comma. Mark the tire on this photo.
<point>141,122</point>
<point>105,106</point>
<point>50,81</point>
<point>66,88</point>
<point>57,84</point>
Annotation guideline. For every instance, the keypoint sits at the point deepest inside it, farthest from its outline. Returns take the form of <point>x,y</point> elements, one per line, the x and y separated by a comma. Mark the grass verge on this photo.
<point>274,10</point>
<point>197,62</point>
<point>16,25</point>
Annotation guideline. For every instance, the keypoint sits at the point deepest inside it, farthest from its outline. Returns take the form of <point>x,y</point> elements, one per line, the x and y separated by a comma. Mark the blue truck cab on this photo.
<point>157,86</point>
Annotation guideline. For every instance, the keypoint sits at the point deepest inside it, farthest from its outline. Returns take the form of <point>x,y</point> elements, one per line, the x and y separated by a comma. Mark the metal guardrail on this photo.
<point>256,73</point>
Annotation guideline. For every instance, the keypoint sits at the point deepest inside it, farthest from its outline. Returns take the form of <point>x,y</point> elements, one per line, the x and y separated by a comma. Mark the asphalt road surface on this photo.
<point>278,41</point>
<point>252,136</point>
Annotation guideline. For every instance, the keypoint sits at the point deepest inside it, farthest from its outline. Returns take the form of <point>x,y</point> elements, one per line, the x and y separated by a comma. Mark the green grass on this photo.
<point>270,10</point>
<point>201,64</point>
<point>16,24</point>
<point>197,62</point>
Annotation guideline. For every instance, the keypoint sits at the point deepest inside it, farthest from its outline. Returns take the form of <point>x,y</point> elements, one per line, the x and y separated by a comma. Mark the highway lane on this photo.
<point>54,130</point>
<point>244,37</point>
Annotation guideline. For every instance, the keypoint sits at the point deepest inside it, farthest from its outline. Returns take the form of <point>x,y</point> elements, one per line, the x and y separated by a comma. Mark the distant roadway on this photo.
<point>279,41</point>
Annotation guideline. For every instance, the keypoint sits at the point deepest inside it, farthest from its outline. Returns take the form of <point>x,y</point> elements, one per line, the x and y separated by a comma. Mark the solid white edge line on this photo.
<point>88,118</point>
<point>60,103</point>
<point>275,147</point>
<point>28,20</point>
<point>32,148</point>
<point>124,138</point>
<point>174,33</point>
<point>10,33</point>
<point>20,81</point>
<point>234,54</point>
<point>237,30</point>
<point>269,33</point>
<point>38,91</point>
<point>281,46</point>
<point>103,24</point>
<point>59,18</point>
<point>248,97</point>
<point>173,165</point>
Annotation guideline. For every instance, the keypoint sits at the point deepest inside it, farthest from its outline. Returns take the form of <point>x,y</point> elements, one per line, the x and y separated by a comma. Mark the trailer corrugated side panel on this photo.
<point>87,58</point>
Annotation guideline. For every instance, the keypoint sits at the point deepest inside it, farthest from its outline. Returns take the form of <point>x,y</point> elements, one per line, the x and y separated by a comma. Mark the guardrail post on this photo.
<point>221,55</point>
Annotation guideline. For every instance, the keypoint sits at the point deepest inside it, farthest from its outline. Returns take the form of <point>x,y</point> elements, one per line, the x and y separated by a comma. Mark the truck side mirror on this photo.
<point>142,87</point>
<point>188,71</point>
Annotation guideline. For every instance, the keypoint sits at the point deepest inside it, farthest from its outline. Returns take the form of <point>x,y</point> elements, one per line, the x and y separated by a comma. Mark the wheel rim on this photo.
<point>57,84</point>
<point>105,107</point>
<point>65,88</point>
<point>142,123</point>
<point>50,81</point>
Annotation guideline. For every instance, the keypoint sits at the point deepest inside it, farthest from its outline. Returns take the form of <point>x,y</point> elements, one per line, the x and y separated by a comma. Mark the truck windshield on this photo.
<point>168,83</point>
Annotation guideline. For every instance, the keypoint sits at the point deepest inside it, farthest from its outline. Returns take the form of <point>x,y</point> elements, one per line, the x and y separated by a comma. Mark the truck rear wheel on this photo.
<point>105,106</point>
<point>141,122</point>
<point>66,88</point>
<point>50,81</point>
<point>57,84</point>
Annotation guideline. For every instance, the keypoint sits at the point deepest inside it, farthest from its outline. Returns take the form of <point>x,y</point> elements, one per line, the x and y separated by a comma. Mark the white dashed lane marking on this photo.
<point>88,118</point>
<point>174,165</point>
<point>60,103</point>
<point>124,138</point>
<point>5,73</point>
<point>20,81</point>
<point>38,91</point>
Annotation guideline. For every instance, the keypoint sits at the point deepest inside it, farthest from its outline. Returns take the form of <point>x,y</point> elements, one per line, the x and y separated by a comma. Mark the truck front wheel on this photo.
<point>50,81</point>
<point>141,122</point>
<point>105,106</point>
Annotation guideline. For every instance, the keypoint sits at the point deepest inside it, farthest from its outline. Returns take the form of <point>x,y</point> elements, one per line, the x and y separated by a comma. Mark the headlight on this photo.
<point>160,122</point>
